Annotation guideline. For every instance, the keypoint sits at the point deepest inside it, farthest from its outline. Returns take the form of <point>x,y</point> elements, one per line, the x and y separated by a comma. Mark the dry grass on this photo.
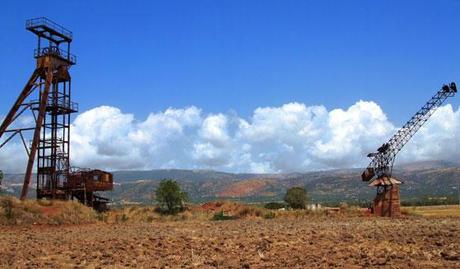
<point>434,211</point>
<point>15,212</point>
<point>205,212</point>
<point>148,214</point>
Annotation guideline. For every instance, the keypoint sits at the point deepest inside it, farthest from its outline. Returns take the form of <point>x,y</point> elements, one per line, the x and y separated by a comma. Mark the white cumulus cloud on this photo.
<point>292,137</point>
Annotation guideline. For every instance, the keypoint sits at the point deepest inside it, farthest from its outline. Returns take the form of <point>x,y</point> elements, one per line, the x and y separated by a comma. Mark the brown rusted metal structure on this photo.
<point>83,184</point>
<point>52,110</point>
<point>387,203</point>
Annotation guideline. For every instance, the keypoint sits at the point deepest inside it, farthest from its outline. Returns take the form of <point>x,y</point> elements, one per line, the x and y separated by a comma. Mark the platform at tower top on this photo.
<point>46,28</point>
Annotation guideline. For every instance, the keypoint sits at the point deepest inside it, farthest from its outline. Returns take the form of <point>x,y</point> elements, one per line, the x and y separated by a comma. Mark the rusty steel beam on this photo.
<point>9,138</point>
<point>24,94</point>
<point>38,127</point>
<point>24,143</point>
<point>19,130</point>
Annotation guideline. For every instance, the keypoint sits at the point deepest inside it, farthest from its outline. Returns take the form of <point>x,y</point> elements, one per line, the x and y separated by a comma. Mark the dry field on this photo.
<point>284,242</point>
<point>435,211</point>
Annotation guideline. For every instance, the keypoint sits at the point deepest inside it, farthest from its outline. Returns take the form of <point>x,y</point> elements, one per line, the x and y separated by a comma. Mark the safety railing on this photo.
<point>45,22</point>
<point>55,51</point>
<point>60,102</point>
<point>63,102</point>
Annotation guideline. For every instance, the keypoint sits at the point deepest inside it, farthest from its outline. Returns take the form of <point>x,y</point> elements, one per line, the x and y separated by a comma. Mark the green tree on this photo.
<point>1,177</point>
<point>170,196</point>
<point>296,198</point>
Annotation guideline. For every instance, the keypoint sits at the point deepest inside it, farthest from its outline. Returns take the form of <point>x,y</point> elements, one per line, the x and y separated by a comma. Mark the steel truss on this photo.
<point>382,161</point>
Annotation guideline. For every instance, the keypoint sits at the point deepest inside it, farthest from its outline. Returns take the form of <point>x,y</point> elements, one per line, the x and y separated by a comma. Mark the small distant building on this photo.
<point>314,207</point>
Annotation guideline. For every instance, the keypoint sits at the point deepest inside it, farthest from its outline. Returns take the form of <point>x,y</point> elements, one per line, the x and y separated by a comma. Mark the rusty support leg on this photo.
<point>390,203</point>
<point>24,94</point>
<point>36,138</point>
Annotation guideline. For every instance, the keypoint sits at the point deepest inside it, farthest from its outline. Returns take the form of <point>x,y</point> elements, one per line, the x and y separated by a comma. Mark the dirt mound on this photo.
<point>15,212</point>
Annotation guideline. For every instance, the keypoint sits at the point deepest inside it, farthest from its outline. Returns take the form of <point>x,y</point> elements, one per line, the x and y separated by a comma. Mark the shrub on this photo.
<point>275,206</point>
<point>296,198</point>
<point>102,216</point>
<point>7,205</point>
<point>170,197</point>
<point>219,216</point>
<point>121,218</point>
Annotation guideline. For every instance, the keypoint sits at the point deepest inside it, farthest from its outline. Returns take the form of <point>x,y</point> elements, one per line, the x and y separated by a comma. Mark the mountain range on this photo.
<point>427,181</point>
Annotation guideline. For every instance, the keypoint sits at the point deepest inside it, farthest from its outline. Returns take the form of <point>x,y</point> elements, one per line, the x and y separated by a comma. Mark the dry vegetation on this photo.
<point>31,212</point>
<point>139,237</point>
<point>434,211</point>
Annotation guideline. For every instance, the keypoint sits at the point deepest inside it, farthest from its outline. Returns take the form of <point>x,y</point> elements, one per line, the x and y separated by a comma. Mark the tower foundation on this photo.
<point>387,203</point>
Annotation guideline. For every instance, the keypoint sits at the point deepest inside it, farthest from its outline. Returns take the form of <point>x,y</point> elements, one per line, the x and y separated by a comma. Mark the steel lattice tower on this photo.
<point>52,110</point>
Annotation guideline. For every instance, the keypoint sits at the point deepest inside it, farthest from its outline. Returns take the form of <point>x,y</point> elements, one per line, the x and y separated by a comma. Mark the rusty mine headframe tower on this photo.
<point>52,109</point>
<point>379,171</point>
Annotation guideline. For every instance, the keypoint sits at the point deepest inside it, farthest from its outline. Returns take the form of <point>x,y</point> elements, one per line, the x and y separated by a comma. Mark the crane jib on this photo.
<point>382,160</point>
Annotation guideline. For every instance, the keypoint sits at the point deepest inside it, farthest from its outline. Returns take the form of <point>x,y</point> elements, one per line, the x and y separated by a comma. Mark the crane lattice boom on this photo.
<point>382,160</point>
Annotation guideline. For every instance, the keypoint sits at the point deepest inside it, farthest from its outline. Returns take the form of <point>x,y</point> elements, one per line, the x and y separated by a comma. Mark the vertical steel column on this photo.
<point>38,126</point>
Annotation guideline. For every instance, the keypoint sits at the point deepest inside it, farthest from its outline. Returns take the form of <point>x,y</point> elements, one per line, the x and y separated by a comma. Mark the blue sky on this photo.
<point>244,86</point>
<point>146,56</point>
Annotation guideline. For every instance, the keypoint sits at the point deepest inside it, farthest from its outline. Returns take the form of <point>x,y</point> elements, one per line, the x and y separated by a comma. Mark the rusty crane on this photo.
<point>47,94</point>
<point>379,171</point>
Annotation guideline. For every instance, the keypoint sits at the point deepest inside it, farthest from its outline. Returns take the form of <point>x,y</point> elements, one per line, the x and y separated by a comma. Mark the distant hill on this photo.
<point>427,165</point>
<point>178,174</point>
<point>421,180</point>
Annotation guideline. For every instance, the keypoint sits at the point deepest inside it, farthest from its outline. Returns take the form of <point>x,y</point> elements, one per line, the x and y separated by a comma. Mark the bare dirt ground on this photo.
<point>356,242</point>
